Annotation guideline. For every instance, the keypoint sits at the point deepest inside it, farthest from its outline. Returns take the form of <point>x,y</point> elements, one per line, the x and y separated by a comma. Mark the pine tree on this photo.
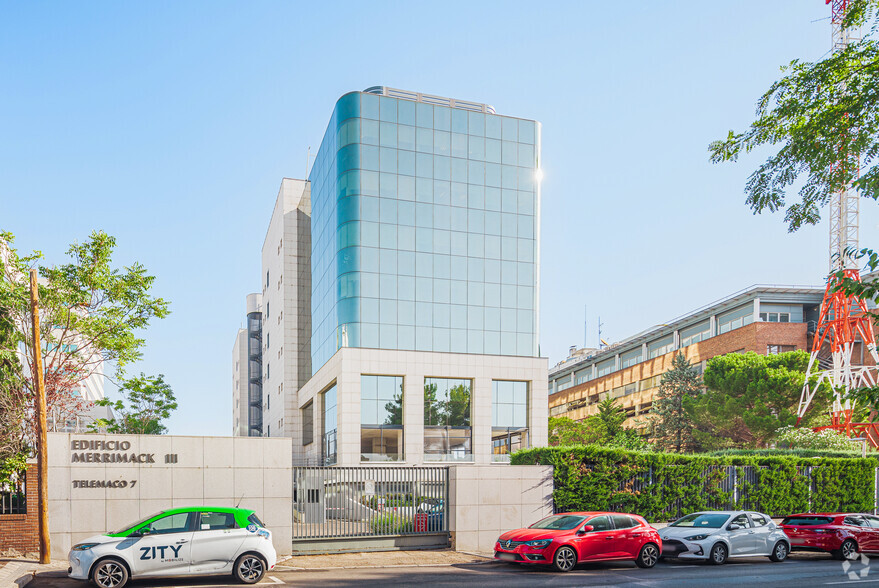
<point>672,426</point>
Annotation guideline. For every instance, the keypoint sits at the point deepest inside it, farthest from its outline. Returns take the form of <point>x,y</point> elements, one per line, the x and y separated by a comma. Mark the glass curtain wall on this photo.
<point>509,418</point>
<point>447,432</point>
<point>381,418</point>
<point>424,230</point>
<point>330,425</point>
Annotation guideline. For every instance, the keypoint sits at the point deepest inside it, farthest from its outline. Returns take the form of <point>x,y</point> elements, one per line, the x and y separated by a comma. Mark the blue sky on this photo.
<point>170,125</point>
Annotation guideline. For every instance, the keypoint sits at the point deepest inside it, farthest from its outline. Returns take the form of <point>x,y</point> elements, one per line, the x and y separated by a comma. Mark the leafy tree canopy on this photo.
<point>148,400</point>
<point>90,311</point>
<point>818,114</point>
<point>748,398</point>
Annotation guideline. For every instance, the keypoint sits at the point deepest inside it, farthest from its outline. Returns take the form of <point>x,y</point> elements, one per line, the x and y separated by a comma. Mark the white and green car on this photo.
<point>189,541</point>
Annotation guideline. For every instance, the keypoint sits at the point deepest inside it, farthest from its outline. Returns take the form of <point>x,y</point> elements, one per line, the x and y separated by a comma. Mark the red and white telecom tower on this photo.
<point>844,319</point>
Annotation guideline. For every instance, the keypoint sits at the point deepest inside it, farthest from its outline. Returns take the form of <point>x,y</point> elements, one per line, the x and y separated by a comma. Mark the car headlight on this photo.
<point>697,537</point>
<point>83,546</point>
<point>539,544</point>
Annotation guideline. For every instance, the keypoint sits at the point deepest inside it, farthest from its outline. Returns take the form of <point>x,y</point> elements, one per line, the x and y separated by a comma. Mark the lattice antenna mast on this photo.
<point>844,320</point>
<point>844,213</point>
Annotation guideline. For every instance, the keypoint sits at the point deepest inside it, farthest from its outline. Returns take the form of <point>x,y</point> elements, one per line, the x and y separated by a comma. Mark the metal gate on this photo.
<point>369,504</point>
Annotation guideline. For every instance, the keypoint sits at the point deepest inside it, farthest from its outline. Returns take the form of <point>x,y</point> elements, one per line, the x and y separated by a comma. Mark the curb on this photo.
<point>361,567</point>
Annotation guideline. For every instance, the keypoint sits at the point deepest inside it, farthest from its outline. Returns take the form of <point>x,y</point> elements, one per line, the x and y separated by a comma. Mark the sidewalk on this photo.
<point>381,559</point>
<point>15,573</point>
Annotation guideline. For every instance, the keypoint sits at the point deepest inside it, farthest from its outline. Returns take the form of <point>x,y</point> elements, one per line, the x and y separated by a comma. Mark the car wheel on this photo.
<point>565,559</point>
<point>648,557</point>
<point>779,552</point>
<point>718,554</point>
<point>848,550</point>
<point>249,568</point>
<point>110,573</point>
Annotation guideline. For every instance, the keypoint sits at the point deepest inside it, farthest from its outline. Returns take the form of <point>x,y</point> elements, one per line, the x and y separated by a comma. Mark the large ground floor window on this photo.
<point>447,444</point>
<point>381,443</point>
<point>447,419</point>
<point>329,425</point>
<point>507,440</point>
<point>381,418</point>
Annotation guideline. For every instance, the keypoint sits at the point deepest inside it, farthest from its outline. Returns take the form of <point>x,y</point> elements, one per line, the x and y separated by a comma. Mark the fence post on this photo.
<point>735,487</point>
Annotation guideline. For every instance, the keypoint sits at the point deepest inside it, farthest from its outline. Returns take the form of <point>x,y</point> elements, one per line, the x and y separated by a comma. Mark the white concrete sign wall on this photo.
<point>485,501</point>
<point>101,482</point>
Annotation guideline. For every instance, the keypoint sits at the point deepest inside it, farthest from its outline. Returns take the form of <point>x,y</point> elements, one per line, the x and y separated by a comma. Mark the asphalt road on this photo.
<point>801,571</point>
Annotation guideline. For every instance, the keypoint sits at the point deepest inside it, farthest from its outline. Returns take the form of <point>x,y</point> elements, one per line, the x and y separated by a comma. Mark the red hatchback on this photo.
<point>842,534</point>
<point>566,539</point>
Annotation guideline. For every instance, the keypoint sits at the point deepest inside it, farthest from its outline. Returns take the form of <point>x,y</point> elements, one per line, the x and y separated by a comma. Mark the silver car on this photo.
<point>718,535</point>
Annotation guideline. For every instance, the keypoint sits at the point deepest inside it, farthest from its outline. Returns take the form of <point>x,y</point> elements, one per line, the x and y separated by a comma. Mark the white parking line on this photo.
<point>274,581</point>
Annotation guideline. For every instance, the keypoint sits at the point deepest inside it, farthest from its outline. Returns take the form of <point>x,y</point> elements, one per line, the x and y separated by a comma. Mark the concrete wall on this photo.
<point>209,471</point>
<point>485,501</point>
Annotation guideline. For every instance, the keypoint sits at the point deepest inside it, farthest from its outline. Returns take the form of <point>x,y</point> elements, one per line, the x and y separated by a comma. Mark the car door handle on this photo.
<point>750,532</point>
<point>609,538</point>
<point>636,534</point>
<point>182,541</point>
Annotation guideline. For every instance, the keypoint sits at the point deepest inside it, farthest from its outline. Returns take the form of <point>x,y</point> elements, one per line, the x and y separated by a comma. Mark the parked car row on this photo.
<point>564,540</point>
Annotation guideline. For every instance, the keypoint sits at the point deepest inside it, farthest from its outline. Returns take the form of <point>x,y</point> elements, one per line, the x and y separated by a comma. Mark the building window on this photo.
<point>631,358</point>
<point>661,346</point>
<point>776,349</point>
<point>381,418</point>
<point>509,418</point>
<point>308,423</point>
<point>695,333</point>
<point>447,433</point>
<point>605,367</point>
<point>329,425</point>
<point>744,315</point>
<point>775,317</point>
<point>267,278</point>
<point>564,383</point>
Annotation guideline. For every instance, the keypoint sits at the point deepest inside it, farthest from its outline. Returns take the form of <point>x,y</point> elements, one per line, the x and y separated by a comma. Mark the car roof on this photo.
<point>205,508</point>
<point>592,513</point>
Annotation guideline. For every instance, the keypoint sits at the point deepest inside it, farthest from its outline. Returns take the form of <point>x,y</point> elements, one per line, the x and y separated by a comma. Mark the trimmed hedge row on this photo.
<point>658,486</point>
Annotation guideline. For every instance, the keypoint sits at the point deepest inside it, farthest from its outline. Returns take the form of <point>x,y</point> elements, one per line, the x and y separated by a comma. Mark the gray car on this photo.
<point>717,535</point>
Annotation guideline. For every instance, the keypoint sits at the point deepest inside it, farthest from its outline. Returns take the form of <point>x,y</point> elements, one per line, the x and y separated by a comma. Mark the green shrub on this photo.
<point>660,486</point>
<point>390,524</point>
<point>785,453</point>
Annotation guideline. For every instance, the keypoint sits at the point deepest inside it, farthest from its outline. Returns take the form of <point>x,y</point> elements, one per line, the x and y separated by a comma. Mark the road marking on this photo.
<point>274,580</point>
<point>874,580</point>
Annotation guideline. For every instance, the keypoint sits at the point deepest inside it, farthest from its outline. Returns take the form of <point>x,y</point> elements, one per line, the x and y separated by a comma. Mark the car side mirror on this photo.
<point>585,529</point>
<point>733,527</point>
<point>772,525</point>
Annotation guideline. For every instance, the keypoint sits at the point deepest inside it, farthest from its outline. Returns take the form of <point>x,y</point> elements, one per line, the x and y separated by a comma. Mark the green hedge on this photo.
<point>659,486</point>
<point>785,453</point>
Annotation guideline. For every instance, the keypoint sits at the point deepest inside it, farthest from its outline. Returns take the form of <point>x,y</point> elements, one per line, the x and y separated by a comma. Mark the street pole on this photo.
<point>40,389</point>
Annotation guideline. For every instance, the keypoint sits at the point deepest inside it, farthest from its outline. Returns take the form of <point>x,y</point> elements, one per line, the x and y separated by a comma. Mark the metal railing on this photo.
<point>13,499</point>
<point>335,502</point>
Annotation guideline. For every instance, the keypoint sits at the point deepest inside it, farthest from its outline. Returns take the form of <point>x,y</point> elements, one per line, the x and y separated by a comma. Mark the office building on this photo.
<point>762,319</point>
<point>407,302</point>
<point>247,412</point>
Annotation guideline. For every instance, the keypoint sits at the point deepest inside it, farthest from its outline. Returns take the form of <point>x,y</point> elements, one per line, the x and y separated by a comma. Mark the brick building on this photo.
<point>763,319</point>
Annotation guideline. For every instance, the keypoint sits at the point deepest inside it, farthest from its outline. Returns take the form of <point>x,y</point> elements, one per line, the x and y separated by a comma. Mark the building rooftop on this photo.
<point>430,99</point>
<point>772,292</point>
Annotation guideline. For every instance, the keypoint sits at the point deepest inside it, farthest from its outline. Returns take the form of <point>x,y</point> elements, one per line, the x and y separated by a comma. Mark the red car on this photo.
<point>842,534</point>
<point>566,539</point>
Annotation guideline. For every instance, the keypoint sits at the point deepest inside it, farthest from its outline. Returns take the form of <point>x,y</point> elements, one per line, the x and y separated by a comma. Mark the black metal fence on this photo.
<point>13,499</point>
<point>331,502</point>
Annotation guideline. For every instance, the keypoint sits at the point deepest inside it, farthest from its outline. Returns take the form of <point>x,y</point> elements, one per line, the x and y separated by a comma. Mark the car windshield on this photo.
<point>701,520</point>
<point>807,521</point>
<point>558,522</point>
<point>137,524</point>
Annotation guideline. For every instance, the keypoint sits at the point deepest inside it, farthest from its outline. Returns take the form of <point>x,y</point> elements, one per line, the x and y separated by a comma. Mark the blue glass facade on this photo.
<point>424,225</point>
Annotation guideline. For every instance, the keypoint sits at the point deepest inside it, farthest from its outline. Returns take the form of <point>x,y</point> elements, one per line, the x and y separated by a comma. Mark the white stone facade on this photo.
<point>239,384</point>
<point>348,364</point>
<point>207,471</point>
<point>286,286</point>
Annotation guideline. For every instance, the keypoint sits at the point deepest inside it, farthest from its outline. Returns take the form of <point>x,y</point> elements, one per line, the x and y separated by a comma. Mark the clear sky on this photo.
<point>170,125</point>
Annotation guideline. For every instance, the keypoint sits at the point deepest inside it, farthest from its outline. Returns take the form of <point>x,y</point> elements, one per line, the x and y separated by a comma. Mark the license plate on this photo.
<point>506,556</point>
